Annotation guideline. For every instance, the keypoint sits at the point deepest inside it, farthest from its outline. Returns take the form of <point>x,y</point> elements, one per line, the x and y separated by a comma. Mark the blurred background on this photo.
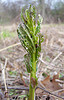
<point>52,11</point>
<point>52,52</point>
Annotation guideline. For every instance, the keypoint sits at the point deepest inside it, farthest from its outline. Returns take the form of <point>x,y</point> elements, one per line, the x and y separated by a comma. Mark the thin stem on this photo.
<point>32,75</point>
<point>31,90</point>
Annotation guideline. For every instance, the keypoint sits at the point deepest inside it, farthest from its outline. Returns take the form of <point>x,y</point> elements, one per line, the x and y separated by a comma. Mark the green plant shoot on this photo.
<point>31,39</point>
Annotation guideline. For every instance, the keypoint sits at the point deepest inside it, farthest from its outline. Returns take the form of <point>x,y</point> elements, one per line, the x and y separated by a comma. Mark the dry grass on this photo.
<point>52,52</point>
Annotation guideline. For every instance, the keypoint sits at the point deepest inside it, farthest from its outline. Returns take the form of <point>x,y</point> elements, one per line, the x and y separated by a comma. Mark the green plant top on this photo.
<point>30,36</point>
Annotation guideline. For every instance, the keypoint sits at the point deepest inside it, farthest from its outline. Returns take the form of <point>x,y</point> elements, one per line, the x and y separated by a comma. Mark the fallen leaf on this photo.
<point>39,91</point>
<point>51,85</point>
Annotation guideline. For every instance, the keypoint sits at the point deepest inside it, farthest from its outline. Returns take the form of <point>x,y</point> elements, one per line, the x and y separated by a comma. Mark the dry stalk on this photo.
<point>50,65</point>
<point>10,47</point>
<point>56,57</point>
<point>4,77</point>
<point>59,81</point>
<point>3,74</point>
<point>58,91</point>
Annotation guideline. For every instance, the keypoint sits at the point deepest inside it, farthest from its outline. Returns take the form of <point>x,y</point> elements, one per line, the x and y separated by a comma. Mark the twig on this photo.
<point>11,64</point>
<point>18,60</point>
<point>50,92</point>
<point>17,88</point>
<point>59,81</point>
<point>46,63</point>
<point>49,65</point>
<point>56,57</point>
<point>4,78</point>
<point>58,91</point>
<point>3,73</point>
<point>10,47</point>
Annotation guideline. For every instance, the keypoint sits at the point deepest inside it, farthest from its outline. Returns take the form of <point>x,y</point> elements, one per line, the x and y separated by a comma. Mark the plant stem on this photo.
<point>32,75</point>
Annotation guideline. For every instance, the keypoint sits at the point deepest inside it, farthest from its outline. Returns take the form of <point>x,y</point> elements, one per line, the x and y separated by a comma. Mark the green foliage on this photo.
<point>61,75</point>
<point>6,34</point>
<point>13,73</point>
<point>30,36</point>
<point>28,63</point>
<point>12,92</point>
<point>48,59</point>
<point>44,74</point>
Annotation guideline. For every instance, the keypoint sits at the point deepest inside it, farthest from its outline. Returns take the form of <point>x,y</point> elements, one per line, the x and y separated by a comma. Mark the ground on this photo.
<point>51,60</point>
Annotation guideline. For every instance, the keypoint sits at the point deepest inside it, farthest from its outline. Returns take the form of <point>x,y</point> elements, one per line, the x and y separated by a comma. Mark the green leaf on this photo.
<point>29,35</point>
<point>28,63</point>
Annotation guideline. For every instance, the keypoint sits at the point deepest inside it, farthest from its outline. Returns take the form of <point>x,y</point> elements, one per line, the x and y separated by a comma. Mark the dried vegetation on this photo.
<point>50,67</point>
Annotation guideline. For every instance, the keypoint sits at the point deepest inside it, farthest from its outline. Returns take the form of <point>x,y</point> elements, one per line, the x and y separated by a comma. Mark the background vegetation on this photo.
<point>52,11</point>
<point>51,60</point>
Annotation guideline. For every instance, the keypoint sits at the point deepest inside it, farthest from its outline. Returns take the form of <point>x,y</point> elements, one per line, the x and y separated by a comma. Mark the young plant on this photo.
<point>31,39</point>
